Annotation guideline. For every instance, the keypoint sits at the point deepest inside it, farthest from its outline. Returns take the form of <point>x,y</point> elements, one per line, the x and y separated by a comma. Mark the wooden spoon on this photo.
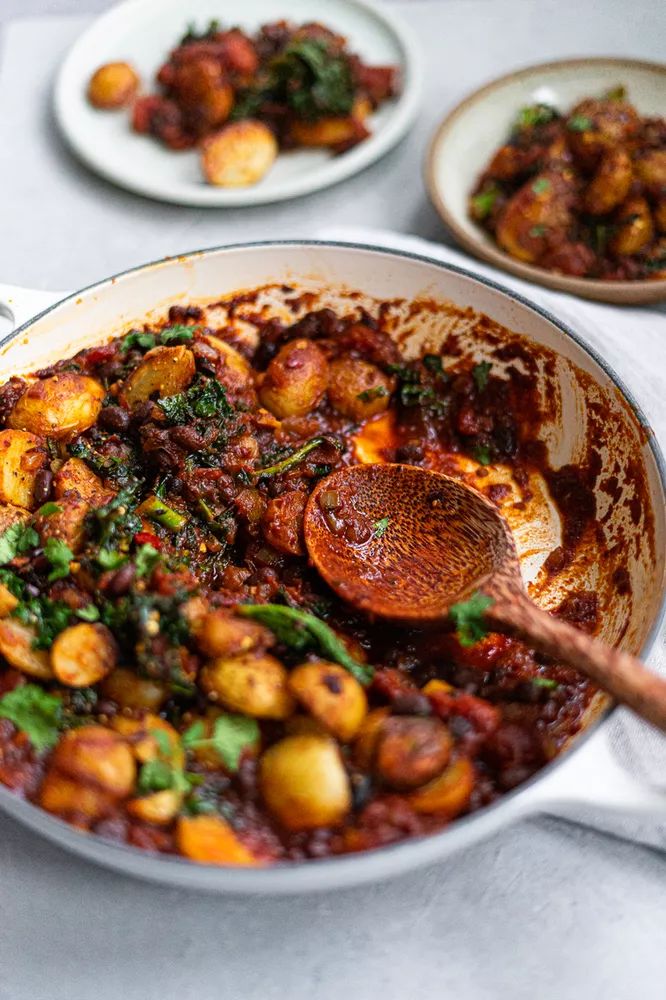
<point>402,543</point>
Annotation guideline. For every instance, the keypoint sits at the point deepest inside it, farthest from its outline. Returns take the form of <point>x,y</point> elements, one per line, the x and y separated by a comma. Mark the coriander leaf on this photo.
<point>156,776</point>
<point>47,617</point>
<point>433,363</point>
<point>146,559</point>
<point>579,123</point>
<point>163,741</point>
<point>193,736</point>
<point>377,392</point>
<point>482,454</point>
<point>618,93</point>
<point>484,202</point>
<point>538,230</point>
<point>110,559</point>
<point>35,712</point>
<point>468,617</point>
<point>311,80</point>
<point>545,682</point>
<point>15,540</point>
<point>88,614</point>
<point>231,735</point>
<point>59,555</point>
<point>138,338</point>
<point>535,114</point>
<point>177,333</point>
<point>541,185</point>
<point>12,582</point>
<point>381,526</point>
<point>49,508</point>
<point>300,631</point>
<point>480,374</point>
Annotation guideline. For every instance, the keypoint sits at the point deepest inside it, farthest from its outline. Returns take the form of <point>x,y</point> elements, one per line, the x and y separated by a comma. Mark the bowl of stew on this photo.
<point>556,174</point>
<point>181,696</point>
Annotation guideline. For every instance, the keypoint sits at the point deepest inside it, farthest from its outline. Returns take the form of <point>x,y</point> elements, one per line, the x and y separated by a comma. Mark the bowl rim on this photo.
<point>615,292</point>
<point>375,863</point>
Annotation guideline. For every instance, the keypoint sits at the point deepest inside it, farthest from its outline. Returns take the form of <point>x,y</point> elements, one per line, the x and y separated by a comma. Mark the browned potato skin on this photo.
<point>7,601</point>
<point>304,783</point>
<point>255,685</point>
<point>22,456</point>
<point>221,633</point>
<point>9,514</point>
<point>112,86</point>
<point>129,691</point>
<point>651,171</point>
<point>83,654</point>
<point>211,841</point>
<point>16,647</point>
<point>411,751</point>
<point>448,794</point>
<point>239,155</point>
<point>75,476</point>
<point>330,694</point>
<point>548,210</point>
<point>164,371</point>
<point>140,734</point>
<point>67,524</point>
<point>613,123</point>
<point>331,131</point>
<point>159,808</point>
<point>282,523</point>
<point>90,770</point>
<point>350,379</point>
<point>635,228</point>
<point>61,406</point>
<point>233,359</point>
<point>610,184</point>
<point>295,381</point>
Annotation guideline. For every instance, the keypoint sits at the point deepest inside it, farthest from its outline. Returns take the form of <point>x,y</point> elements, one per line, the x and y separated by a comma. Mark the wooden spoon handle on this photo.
<point>620,674</point>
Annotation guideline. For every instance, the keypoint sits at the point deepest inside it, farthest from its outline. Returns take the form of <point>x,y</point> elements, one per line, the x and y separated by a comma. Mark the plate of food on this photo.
<point>557,173</point>
<point>182,696</point>
<point>198,108</point>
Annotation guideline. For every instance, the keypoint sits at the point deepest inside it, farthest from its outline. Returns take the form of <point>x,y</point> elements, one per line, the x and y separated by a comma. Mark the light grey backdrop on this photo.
<point>544,911</point>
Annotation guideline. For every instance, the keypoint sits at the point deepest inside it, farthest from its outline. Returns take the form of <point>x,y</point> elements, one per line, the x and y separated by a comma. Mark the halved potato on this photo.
<point>233,359</point>
<point>9,514</point>
<point>7,601</point>
<point>83,654</point>
<point>22,455</point>
<point>331,695</point>
<point>67,524</point>
<point>239,154</point>
<point>164,371</point>
<point>130,691</point>
<point>76,476</point>
<point>304,782</point>
<point>634,228</point>
<point>61,406</point>
<point>449,793</point>
<point>16,646</point>
<point>113,85</point>
<point>95,756</point>
<point>331,131</point>
<point>256,685</point>
<point>159,808</point>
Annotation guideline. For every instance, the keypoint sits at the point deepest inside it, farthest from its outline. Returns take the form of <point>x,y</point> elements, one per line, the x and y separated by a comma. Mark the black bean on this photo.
<point>121,581</point>
<point>43,484</point>
<point>114,418</point>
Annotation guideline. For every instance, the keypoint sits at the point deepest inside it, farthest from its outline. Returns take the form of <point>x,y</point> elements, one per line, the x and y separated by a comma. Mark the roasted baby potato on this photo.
<point>331,695</point>
<point>611,182</point>
<point>449,793</point>
<point>16,645</point>
<point>367,737</point>
<point>233,359</point>
<point>659,216</point>
<point>130,691</point>
<point>113,85</point>
<point>221,633</point>
<point>22,457</point>
<point>540,210</point>
<point>145,745</point>
<point>211,841</point>
<point>61,406</point>
<point>74,476</point>
<point>83,654</point>
<point>9,514</point>
<point>7,601</point>
<point>358,389</point>
<point>332,130</point>
<point>203,92</point>
<point>90,770</point>
<point>304,783</point>
<point>164,371</point>
<point>295,380</point>
<point>650,169</point>
<point>596,125</point>
<point>158,808</point>
<point>239,155</point>
<point>634,228</point>
<point>67,523</point>
<point>411,751</point>
<point>254,684</point>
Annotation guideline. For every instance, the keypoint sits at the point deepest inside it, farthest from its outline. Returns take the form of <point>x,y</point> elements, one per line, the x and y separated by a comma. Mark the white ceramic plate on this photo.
<point>465,140</point>
<point>142,32</point>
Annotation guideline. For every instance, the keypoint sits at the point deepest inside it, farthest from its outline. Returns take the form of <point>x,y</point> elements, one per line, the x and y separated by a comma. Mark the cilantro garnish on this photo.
<point>480,374</point>
<point>301,630</point>
<point>60,556</point>
<point>47,617</point>
<point>34,712</point>
<point>535,114</point>
<point>484,202</point>
<point>579,123</point>
<point>88,614</point>
<point>379,527</point>
<point>16,540</point>
<point>146,559</point>
<point>377,392</point>
<point>49,508</point>
<point>231,735</point>
<point>482,454</point>
<point>468,617</point>
<point>138,338</point>
<point>541,185</point>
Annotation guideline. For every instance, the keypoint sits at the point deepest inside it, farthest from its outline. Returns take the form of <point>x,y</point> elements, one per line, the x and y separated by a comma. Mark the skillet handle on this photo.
<point>592,786</point>
<point>18,305</point>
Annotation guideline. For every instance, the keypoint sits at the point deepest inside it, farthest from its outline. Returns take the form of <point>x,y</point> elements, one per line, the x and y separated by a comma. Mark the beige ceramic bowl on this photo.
<point>465,140</point>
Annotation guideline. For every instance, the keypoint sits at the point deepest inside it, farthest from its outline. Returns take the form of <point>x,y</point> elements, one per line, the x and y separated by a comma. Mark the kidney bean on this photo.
<point>114,418</point>
<point>121,581</point>
<point>43,483</point>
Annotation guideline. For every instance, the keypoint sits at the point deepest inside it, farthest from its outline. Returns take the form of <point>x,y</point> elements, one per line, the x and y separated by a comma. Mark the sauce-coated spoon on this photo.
<point>435,543</point>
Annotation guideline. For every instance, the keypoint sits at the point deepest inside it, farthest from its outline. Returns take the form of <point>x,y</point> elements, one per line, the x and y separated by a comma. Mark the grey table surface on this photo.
<point>544,911</point>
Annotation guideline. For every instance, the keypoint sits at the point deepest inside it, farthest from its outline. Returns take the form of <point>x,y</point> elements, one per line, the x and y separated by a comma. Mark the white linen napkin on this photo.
<point>633,340</point>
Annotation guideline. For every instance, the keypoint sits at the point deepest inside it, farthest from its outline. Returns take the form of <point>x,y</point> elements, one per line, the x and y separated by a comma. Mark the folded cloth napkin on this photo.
<point>633,341</point>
